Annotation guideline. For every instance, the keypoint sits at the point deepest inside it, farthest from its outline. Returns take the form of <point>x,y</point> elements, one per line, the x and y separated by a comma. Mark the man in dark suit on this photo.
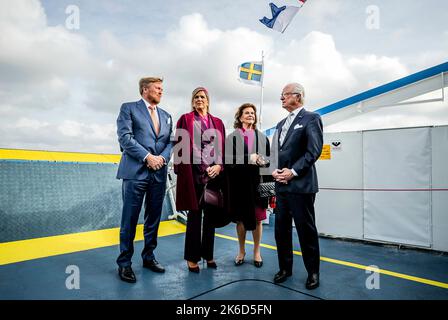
<point>144,130</point>
<point>298,142</point>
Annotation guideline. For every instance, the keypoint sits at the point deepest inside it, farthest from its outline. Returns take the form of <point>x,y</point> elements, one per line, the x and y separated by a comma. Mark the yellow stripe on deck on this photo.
<point>23,250</point>
<point>17,251</point>
<point>357,266</point>
<point>34,155</point>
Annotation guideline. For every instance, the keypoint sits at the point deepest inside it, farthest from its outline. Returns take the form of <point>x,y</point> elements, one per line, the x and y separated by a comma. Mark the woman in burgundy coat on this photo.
<point>198,159</point>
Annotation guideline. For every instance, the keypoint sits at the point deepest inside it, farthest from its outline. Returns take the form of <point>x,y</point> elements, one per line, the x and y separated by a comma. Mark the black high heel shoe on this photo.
<point>193,269</point>
<point>239,262</point>
<point>258,264</point>
<point>212,265</point>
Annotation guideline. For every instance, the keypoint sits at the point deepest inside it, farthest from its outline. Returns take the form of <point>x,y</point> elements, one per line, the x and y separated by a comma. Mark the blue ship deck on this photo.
<point>405,274</point>
<point>59,217</point>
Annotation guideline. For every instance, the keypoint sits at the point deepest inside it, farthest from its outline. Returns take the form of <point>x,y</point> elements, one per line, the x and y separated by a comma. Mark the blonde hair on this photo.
<point>195,92</point>
<point>144,82</point>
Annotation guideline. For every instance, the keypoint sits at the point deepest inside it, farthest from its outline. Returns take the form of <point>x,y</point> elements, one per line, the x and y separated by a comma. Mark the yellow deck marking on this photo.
<point>34,155</point>
<point>355,265</point>
<point>17,251</point>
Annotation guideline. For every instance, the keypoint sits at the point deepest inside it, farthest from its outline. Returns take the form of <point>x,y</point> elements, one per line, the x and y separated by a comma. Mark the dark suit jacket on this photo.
<point>137,137</point>
<point>301,148</point>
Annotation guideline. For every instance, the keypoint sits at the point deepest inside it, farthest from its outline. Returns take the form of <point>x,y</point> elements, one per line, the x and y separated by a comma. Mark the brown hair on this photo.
<point>144,82</point>
<point>195,92</point>
<point>238,124</point>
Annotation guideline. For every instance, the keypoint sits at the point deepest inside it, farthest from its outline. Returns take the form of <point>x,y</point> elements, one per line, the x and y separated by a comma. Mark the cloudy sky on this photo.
<point>62,84</point>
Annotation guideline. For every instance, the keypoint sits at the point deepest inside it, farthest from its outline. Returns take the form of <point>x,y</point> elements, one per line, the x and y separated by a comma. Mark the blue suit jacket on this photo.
<point>137,137</point>
<point>301,148</point>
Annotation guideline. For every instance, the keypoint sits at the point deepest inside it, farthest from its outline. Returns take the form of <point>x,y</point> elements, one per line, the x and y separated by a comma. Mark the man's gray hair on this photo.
<point>298,88</point>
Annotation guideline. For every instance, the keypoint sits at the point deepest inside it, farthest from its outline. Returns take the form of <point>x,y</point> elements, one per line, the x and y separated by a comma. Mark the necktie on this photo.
<point>154,119</point>
<point>286,127</point>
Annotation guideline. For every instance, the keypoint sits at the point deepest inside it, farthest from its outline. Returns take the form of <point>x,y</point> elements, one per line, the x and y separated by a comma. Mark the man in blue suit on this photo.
<point>144,130</point>
<point>298,141</point>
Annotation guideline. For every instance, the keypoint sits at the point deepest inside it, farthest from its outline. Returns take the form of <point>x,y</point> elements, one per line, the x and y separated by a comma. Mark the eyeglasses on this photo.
<point>287,94</point>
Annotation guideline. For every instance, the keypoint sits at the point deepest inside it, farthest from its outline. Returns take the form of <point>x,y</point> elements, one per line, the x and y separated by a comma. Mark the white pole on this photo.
<point>261,102</point>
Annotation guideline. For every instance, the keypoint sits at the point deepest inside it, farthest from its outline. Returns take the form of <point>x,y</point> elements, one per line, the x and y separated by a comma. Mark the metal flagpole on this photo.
<point>261,102</point>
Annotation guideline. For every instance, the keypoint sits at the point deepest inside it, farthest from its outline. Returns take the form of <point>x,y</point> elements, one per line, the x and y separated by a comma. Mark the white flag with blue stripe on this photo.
<point>281,16</point>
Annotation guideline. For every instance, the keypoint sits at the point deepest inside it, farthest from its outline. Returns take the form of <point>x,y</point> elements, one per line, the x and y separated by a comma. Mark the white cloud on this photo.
<point>71,128</point>
<point>85,131</point>
<point>34,51</point>
<point>322,10</point>
<point>190,55</point>
<point>375,71</point>
<point>193,34</point>
<point>27,15</point>
<point>25,123</point>
<point>315,62</point>
<point>66,136</point>
<point>66,90</point>
<point>38,62</point>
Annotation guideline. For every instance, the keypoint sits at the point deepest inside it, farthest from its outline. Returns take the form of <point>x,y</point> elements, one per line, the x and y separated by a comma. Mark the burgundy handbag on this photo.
<point>213,197</point>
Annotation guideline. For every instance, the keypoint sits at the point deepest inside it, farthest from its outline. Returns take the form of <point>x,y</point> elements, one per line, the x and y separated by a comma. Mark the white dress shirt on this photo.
<point>294,115</point>
<point>148,105</point>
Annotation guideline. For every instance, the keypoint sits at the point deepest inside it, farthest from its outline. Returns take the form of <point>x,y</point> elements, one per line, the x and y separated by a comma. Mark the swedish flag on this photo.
<point>251,72</point>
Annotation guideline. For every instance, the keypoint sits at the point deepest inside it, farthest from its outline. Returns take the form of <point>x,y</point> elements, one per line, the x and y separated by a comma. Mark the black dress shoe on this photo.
<point>258,264</point>
<point>126,274</point>
<point>212,265</point>
<point>153,265</point>
<point>312,282</point>
<point>281,276</point>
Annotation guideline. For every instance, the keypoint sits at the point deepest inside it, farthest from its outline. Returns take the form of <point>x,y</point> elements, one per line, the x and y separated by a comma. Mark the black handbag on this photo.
<point>266,189</point>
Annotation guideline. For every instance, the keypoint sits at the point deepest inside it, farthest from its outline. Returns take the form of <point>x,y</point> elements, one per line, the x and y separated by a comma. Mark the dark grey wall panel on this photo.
<point>39,198</point>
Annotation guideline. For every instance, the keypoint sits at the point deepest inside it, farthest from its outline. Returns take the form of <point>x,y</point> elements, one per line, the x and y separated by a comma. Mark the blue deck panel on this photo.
<point>45,278</point>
